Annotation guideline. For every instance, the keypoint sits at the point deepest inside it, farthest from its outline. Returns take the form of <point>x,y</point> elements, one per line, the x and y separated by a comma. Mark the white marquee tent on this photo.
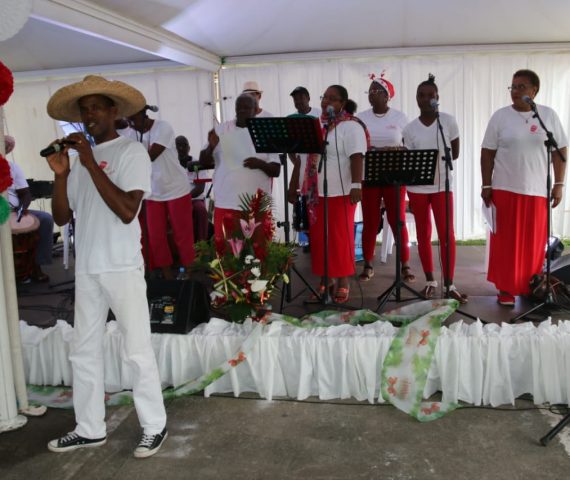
<point>191,57</point>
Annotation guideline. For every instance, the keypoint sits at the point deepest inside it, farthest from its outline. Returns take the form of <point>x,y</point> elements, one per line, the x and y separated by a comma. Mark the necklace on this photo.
<point>524,117</point>
<point>380,115</point>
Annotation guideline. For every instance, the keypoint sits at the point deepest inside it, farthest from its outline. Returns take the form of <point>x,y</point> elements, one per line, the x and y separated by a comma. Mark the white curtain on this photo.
<point>471,87</point>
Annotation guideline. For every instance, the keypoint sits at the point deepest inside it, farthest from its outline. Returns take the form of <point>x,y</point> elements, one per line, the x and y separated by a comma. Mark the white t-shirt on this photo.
<point>18,183</point>
<point>231,179</point>
<point>385,131</point>
<point>103,242</point>
<point>350,138</point>
<point>264,114</point>
<point>520,159</point>
<point>419,137</point>
<point>168,176</point>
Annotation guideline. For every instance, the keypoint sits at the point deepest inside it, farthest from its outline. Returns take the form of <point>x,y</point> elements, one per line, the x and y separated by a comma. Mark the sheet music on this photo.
<point>490,216</point>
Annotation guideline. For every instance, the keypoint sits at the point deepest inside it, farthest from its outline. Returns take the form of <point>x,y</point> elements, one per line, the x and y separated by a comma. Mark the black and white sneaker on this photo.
<point>150,444</point>
<point>72,441</point>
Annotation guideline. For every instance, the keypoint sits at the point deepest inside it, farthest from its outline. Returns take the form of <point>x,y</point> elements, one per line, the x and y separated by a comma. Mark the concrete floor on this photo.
<point>224,437</point>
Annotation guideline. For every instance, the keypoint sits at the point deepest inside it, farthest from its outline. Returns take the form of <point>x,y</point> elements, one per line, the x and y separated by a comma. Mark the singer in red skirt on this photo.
<point>345,152</point>
<point>513,170</point>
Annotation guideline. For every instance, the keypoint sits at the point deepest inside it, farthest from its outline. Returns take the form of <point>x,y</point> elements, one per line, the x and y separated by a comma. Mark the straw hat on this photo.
<point>63,105</point>
<point>251,87</point>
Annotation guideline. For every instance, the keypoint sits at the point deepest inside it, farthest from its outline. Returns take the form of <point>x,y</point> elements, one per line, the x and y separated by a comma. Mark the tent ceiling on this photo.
<point>187,30</point>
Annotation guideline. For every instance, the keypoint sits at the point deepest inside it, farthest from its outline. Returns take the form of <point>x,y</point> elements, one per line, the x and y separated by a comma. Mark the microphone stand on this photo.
<point>326,297</point>
<point>550,143</point>
<point>448,166</point>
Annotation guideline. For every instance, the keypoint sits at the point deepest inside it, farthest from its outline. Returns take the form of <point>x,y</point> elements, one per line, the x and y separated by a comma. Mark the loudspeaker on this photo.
<point>560,268</point>
<point>177,306</point>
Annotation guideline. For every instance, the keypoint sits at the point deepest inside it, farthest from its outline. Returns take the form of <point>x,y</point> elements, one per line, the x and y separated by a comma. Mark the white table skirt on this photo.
<point>473,363</point>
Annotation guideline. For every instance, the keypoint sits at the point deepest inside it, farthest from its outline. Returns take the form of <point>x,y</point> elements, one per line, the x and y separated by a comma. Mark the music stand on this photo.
<point>396,168</point>
<point>285,135</point>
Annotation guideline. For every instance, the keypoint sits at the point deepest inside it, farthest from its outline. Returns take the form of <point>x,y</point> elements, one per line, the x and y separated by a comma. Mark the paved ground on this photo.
<point>224,437</point>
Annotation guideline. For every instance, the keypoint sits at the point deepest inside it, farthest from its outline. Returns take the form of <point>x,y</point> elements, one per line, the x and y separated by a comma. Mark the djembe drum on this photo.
<point>25,236</point>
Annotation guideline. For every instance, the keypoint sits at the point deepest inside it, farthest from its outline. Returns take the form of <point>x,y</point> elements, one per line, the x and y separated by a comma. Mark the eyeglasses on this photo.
<point>520,87</point>
<point>331,99</point>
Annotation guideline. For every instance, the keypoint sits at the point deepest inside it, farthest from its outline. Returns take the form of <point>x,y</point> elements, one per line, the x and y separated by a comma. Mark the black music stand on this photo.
<point>396,168</point>
<point>285,135</point>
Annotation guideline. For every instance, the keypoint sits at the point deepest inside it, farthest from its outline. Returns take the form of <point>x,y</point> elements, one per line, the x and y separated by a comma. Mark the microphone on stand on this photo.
<point>434,104</point>
<point>331,115</point>
<point>55,148</point>
<point>530,101</point>
<point>152,108</point>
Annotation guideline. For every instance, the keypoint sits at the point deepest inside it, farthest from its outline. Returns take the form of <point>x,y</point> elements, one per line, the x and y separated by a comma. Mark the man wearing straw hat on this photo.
<point>103,189</point>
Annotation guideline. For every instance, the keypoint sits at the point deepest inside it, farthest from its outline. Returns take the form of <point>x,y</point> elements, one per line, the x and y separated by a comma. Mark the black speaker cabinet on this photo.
<point>177,306</point>
<point>560,268</point>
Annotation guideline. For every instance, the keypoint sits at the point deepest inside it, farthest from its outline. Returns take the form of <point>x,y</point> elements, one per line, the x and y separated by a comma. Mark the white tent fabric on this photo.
<point>478,364</point>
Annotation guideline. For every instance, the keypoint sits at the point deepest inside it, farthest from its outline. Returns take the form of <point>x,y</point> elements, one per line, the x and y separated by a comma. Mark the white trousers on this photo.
<point>125,294</point>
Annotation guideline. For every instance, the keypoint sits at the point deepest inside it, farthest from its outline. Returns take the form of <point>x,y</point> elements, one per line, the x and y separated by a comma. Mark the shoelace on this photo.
<point>146,440</point>
<point>69,437</point>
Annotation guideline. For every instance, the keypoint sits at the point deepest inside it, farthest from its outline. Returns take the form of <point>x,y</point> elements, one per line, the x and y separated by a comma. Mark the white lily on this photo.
<point>258,285</point>
<point>256,271</point>
<point>248,259</point>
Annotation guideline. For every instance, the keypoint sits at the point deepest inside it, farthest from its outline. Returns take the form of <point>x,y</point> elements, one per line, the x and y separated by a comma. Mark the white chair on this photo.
<point>388,236</point>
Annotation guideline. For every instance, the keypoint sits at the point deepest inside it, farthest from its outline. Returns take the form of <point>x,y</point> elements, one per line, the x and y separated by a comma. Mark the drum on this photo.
<point>25,236</point>
<point>300,214</point>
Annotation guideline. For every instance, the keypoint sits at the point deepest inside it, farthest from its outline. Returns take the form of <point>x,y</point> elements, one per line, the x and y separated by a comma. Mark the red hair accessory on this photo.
<point>385,84</point>
<point>6,84</point>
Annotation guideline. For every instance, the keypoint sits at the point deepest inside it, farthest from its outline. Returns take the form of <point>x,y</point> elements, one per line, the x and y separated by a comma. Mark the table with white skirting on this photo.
<point>489,365</point>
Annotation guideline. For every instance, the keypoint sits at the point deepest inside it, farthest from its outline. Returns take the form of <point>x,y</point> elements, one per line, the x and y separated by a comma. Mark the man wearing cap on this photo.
<point>301,99</point>
<point>103,189</point>
<point>252,88</point>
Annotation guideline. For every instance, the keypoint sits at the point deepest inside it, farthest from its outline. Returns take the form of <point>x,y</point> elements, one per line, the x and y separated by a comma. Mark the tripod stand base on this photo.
<point>544,441</point>
<point>394,289</point>
<point>548,305</point>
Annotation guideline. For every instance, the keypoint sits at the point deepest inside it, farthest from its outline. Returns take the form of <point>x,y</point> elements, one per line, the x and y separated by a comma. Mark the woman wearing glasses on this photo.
<point>385,125</point>
<point>513,171</point>
<point>345,150</point>
<point>420,134</point>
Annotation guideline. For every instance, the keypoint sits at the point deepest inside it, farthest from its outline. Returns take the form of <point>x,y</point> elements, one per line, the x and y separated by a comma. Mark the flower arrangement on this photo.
<point>246,265</point>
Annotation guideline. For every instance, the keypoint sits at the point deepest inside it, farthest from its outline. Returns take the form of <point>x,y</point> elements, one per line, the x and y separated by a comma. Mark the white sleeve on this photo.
<point>355,139</point>
<point>163,134</point>
<point>453,128</point>
<point>558,130</point>
<point>18,178</point>
<point>491,137</point>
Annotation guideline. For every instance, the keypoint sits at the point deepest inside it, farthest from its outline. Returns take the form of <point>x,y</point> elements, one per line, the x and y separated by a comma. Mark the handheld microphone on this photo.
<point>152,108</point>
<point>330,112</point>
<point>530,101</point>
<point>434,104</point>
<point>55,148</point>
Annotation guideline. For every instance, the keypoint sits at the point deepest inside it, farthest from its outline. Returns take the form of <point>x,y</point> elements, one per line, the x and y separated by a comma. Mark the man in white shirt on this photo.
<point>238,168</point>
<point>104,189</point>
<point>301,99</point>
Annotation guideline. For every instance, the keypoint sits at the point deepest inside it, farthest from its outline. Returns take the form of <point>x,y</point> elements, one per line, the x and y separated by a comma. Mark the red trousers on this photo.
<point>200,220</point>
<point>422,204</point>
<point>371,201</point>
<point>518,246</point>
<point>340,238</point>
<point>178,213</point>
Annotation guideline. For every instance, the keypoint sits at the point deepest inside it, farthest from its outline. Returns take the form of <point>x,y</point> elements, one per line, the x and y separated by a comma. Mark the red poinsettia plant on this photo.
<point>246,265</point>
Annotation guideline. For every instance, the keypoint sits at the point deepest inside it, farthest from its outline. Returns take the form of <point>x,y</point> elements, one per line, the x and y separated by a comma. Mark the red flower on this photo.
<point>6,84</point>
<point>5,177</point>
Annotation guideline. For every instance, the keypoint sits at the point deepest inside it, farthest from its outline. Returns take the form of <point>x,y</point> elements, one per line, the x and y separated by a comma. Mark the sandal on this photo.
<point>367,273</point>
<point>429,290</point>
<point>455,295</point>
<point>407,275</point>
<point>341,295</point>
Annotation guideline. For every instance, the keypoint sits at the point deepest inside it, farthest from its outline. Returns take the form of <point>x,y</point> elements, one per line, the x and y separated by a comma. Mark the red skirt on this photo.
<point>340,236</point>
<point>518,246</point>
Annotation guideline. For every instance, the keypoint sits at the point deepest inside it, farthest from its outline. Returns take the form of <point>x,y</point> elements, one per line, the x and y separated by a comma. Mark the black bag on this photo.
<point>538,290</point>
